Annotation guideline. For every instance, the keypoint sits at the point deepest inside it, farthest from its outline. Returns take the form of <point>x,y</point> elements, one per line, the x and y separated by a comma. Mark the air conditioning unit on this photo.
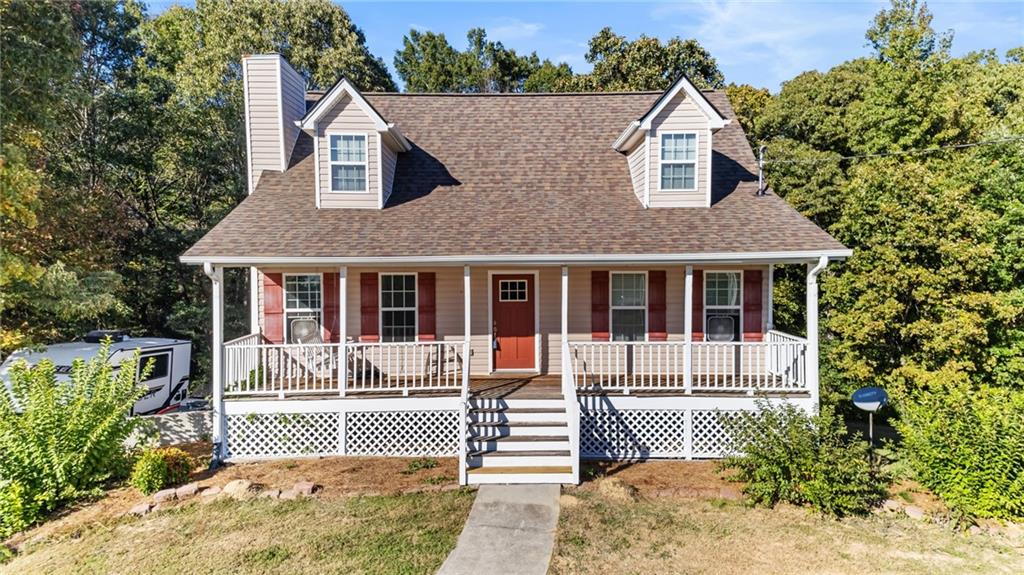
<point>721,328</point>
<point>304,330</point>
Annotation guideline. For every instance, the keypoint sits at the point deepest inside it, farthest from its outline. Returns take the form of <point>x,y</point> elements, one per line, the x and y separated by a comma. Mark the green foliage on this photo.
<point>419,465</point>
<point>60,441</point>
<point>968,447</point>
<point>790,456</point>
<point>160,468</point>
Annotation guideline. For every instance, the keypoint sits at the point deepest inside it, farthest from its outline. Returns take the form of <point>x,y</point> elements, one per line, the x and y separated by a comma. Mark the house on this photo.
<point>522,280</point>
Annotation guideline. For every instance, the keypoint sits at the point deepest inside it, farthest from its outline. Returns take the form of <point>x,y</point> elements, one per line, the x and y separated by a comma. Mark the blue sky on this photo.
<point>757,42</point>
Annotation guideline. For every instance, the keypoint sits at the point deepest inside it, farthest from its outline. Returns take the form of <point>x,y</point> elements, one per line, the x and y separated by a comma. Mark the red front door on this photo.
<point>513,328</point>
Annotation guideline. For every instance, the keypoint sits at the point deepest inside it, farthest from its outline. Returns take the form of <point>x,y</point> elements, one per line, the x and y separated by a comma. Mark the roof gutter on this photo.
<point>620,143</point>
<point>540,259</point>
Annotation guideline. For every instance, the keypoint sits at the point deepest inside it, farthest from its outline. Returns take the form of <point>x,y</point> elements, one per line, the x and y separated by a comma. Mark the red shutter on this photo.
<point>656,330</point>
<point>599,306</point>
<point>752,306</point>
<point>369,294</point>
<point>698,305</point>
<point>426,285</point>
<point>273,308</point>
<point>331,315</point>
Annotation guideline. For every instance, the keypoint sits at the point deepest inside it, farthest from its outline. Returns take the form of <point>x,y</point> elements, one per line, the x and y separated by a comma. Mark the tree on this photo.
<point>644,64</point>
<point>548,77</point>
<point>428,63</point>
<point>748,103</point>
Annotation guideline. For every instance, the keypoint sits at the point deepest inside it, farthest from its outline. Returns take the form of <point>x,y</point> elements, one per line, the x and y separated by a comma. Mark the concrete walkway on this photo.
<point>511,530</point>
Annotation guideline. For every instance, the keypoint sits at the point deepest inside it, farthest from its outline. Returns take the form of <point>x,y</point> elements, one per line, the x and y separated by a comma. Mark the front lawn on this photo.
<point>677,524</point>
<point>372,534</point>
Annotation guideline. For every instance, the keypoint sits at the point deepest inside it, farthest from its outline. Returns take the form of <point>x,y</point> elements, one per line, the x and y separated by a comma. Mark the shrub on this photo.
<point>967,445</point>
<point>60,441</point>
<point>160,468</point>
<point>784,454</point>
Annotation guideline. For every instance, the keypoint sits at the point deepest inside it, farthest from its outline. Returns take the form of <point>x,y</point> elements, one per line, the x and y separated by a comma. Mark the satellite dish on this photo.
<point>870,399</point>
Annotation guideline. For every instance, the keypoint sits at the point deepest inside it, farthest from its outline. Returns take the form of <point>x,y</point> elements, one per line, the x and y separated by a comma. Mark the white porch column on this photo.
<point>770,324</point>
<point>343,329</point>
<point>216,276</point>
<point>812,329</point>
<point>688,331</point>
<point>566,370</point>
<point>254,300</point>
<point>466,330</point>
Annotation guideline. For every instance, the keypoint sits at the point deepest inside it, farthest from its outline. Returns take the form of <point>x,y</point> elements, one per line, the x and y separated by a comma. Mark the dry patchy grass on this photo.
<point>373,534</point>
<point>675,527</point>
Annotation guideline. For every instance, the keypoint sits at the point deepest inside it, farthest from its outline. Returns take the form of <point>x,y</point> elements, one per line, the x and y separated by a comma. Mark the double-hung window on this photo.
<point>303,308</point>
<point>348,162</point>
<point>679,161</point>
<point>629,306</point>
<point>722,305</point>
<point>398,307</point>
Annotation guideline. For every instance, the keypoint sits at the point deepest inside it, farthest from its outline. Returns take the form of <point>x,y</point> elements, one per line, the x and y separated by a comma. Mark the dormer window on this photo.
<point>679,161</point>
<point>348,162</point>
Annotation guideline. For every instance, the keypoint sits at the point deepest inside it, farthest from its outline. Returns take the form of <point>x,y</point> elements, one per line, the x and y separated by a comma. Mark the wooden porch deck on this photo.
<point>525,386</point>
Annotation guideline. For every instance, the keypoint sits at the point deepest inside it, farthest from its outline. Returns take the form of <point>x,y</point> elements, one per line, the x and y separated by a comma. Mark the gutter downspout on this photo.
<point>813,385</point>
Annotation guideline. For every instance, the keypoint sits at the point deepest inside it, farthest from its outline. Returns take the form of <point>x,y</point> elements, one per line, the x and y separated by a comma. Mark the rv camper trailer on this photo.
<point>167,382</point>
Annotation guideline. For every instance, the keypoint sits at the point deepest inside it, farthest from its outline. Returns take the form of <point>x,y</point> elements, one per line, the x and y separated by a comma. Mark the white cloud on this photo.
<point>509,29</point>
<point>780,39</point>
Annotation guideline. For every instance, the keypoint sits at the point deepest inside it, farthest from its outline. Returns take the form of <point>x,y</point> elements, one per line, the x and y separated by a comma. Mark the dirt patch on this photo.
<point>660,479</point>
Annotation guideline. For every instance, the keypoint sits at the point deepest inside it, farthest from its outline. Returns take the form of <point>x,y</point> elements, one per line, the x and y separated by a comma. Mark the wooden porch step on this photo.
<point>518,438</point>
<point>491,453</point>
<point>517,410</point>
<point>539,470</point>
<point>520,424</point>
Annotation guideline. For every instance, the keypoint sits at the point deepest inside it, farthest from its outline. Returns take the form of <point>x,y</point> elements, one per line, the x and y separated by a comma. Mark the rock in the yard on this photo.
<point>141,509</point>
<point>975,530</point>
<point>271,493</point>
<point>210,491</point>
<point>237,488</point>
<point>289,494</point>
<point>187,490</point>
<point>615,488</point>
<point>306,488</point>
<point>891,505</point>
<point>914,512</point>
<point>164,495</point>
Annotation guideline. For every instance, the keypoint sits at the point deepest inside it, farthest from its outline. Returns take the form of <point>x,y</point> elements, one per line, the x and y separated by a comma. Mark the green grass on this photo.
<point>408,534</point>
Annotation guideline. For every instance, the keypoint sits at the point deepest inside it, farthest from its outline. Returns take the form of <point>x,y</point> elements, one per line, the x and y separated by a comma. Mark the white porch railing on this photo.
<point>254,367</point>
<point>776,364</point>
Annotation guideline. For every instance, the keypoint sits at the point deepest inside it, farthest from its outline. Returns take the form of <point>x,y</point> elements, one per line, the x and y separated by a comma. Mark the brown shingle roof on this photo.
<point>514,175</point>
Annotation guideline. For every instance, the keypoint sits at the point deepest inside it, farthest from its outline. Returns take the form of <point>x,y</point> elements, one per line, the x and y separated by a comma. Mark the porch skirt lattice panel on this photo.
<point>636,434</point>
<point>402,433</point>
<point>631,434</point>
<point>382,433</point>
<point>267,435</point>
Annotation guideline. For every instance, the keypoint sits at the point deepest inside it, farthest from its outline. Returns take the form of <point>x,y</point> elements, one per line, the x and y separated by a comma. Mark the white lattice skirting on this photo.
<point>384,433</point>
<point>674,427</point>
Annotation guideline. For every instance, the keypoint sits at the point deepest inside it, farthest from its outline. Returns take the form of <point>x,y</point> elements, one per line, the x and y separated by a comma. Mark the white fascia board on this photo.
<point>331,98</point>
<point>619,144</point>
<point>802,256</point>
<point>715,120</point>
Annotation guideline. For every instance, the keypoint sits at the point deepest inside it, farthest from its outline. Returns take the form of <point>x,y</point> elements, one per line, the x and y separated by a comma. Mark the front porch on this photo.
<point>519,372</point>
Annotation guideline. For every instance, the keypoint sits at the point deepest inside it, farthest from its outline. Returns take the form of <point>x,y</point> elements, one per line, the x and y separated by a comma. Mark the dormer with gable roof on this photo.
<point>668,149</point>
<point>354,148</point>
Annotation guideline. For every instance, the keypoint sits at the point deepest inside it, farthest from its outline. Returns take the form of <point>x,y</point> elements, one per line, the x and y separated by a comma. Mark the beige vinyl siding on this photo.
<point>680,115</point>
<point>293,96</point>
<point>449,301</point>
<point>264,129</point>
<point>389,160</point>
<point>347,117</point>
<point>638,170</point>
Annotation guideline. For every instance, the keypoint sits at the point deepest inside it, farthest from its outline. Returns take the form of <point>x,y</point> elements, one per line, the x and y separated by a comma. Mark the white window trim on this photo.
<point>365,163</point>
<point>415,309</point>
<point>612,307</point>
<point>695,161</point>
<point>284,303</point>
<point>704,299</point>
